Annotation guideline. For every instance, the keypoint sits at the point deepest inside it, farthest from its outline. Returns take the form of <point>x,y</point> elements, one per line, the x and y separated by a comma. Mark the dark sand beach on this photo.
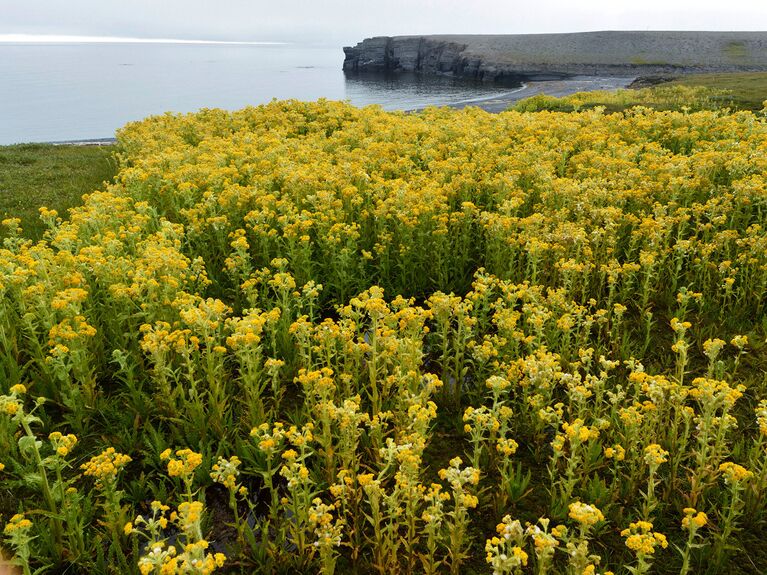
<point>550,87</point>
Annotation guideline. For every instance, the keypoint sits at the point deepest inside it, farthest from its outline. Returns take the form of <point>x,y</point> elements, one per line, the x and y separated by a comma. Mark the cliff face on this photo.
<point>553,56</point>
<point>406,53</point>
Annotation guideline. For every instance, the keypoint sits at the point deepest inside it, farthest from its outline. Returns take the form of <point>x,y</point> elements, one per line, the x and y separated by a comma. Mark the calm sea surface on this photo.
<point>53,92</point>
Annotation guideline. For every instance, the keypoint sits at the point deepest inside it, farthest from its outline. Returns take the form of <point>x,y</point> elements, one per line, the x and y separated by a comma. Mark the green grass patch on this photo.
<point>736,51</point>
<point>747,90</point>
<point>640,61</point>
<point>693,92</point>
<point>663,97</point>
<point>35,175</point>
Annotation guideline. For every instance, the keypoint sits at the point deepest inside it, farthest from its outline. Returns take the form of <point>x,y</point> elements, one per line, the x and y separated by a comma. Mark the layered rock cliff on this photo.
<point>553,56</point>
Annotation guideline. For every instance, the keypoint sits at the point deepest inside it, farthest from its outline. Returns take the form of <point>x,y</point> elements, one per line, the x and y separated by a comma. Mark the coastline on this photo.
<point>557,88</point>
<point>495,57</point>
<point>493,104</point>
<point>87,142</point>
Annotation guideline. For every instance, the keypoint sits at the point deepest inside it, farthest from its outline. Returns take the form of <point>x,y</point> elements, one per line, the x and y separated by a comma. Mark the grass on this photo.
<point>35,175</point>
<point>748,90</point>
<point>736,91</point>
<point>639,178</point>
<point>661,98</point>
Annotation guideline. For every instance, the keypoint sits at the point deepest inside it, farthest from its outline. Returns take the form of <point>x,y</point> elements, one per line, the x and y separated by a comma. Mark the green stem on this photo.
<point>45,486</point>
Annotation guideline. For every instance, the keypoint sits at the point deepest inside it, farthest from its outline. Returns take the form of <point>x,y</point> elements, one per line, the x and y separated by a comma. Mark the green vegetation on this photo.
<point>747,90</point>
<point>736,51</point>
<point>694,92</point>
<point>35,175</point>
<point>662,98</point>
<point>640,61</point>
<point>314,338</point>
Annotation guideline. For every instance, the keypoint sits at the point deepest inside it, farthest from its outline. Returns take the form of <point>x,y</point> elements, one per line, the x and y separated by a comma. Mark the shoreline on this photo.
<point>493,57</point>
<point>492,104</point>
<point>556,88</point>
<point>86,142</point>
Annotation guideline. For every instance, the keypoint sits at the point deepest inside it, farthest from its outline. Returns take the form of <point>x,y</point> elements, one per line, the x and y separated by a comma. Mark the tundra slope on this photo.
<point>557,56</point>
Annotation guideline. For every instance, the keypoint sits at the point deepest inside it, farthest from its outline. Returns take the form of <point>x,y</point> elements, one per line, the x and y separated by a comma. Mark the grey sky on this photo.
<point>344,22</point>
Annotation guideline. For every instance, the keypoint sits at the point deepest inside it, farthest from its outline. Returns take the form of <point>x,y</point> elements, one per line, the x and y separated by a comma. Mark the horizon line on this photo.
<point>75,39</point>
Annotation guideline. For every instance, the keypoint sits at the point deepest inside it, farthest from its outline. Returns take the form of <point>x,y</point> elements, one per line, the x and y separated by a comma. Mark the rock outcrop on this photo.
<point>556,56</point>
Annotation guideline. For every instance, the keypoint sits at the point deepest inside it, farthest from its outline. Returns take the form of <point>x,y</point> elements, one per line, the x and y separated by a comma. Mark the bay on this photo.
<point>75,91</point>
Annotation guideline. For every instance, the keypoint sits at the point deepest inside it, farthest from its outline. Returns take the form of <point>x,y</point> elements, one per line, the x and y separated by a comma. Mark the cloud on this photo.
<point>343,21</point>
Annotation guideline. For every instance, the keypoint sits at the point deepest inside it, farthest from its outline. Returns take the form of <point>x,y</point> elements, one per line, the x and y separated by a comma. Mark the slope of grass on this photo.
<point>35,175</point>
<point>693,92</point>
<point>663,97</point>
<point>748,90</point>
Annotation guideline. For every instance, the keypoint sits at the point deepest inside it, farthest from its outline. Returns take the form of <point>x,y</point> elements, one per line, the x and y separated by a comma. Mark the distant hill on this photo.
<point>556,56</point>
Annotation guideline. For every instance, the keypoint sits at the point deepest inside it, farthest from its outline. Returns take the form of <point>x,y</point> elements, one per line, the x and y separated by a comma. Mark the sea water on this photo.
<point>73,91</point>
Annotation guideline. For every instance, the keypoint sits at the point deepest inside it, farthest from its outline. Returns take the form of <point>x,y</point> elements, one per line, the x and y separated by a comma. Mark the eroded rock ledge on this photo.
<point>556,56</point>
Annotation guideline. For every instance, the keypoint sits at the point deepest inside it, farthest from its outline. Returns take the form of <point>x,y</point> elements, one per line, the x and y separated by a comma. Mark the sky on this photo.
<point>335,22</point>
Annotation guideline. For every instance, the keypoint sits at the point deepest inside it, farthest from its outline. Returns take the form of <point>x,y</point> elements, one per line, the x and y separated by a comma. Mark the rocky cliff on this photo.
<point>553,56</point>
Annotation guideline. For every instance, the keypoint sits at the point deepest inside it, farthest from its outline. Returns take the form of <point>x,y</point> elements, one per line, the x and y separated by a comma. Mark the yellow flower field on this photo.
<point>312,338</point>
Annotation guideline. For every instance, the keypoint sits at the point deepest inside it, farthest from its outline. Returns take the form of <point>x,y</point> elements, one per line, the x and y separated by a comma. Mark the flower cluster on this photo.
<point>105,466</point>
<point>318,306</point>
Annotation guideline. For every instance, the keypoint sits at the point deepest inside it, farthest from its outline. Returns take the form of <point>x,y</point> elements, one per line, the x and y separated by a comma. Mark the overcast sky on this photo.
<point>342,22</point>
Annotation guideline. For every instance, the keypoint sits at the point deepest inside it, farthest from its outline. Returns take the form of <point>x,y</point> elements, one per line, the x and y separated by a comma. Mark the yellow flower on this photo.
<point>10,407</point>
<point>586,515</point>
<point>62,444</point>
<point>693,519</point>
<point>105,466</point>
<point>506,446</point>
<point>189,514</point>
<point>615,452</point>
<point>739,341</point>
<point>185,465</point>
<point>734,474</point>
<point>225,471</point>
<point>365,479</point>
<point>17,523</point>
<point>642,540</point>
<point>655,455</point>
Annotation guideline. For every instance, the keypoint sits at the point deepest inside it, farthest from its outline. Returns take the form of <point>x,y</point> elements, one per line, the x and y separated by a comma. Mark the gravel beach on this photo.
<point>550,87</point>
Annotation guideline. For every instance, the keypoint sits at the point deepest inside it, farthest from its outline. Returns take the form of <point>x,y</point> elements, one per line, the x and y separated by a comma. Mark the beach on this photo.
<point>556,88</point>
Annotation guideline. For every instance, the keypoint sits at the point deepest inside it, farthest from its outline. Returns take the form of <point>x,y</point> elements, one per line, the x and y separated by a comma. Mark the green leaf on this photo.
<point>29,445</point>
<point>33,480</point>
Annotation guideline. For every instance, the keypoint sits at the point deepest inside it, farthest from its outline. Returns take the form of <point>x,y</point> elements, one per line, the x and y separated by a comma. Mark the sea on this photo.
<point>65,91</point>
